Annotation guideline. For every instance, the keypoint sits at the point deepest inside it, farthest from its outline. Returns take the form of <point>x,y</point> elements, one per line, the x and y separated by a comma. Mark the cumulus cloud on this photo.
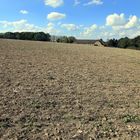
<point>94,2</point>
<point>88,31</point>
<point>50,25</point>
<point>118,22</point>
<point>56,16</point>
<point>115,20</point>
<point>24,12</point>
<point>54,3</point>
<point>51,29</point>
<point>20,25</point>
<point>121,26</point>
<point>133,21</point>
<point>70,27</point>
<point>24,26</point>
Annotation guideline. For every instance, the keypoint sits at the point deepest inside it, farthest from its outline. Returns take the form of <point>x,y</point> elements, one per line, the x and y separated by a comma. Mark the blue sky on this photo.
<point>91,19</point>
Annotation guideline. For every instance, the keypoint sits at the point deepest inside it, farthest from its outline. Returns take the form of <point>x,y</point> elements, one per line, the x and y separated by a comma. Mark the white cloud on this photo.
<point>70,27</point>
<point>24,12</point>
<point>51,29</point>
<point>54,3</point>
<point>94,2</point>
<point>133,21</point>
<point>50,25</point>
<point>115,20</point>
<point>121,26</point>
<point>24,26</point>
<point>76,2</point>
<point>56,16</point>
<point>124,26</point>
<point>102,27</point>
<point>20,25</point>
<point>119,22</point>
<point>88,31</point>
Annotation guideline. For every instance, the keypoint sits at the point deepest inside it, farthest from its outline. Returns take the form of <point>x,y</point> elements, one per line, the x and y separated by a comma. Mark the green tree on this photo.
<point>64,39</point>
<point>10,35</point>
<point>112,43</point>
<point>41,36</point>
<point>124,42</point>
<point>58,40</point>
<point>71,39</point>
<point>1,35</point>
<point>136,42</point>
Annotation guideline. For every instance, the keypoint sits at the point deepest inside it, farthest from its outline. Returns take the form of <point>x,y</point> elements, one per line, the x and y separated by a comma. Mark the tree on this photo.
<point>17,34</point>
<point>71,39</point>
<point>58,40</point>
<point>27,35</point>
<point>65,39</point>
<point>136,42</point>
<point>112,43</point>
<point>40,36</point>
<point>10,35</point>
<point>124,42</point>
<point>1,35</point>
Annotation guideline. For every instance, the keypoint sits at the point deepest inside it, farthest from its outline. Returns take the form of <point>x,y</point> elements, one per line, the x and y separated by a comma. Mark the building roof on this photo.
<point>86,41</point>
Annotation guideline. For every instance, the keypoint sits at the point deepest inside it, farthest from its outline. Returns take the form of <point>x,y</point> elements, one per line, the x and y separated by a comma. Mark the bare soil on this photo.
<point>51,91</point>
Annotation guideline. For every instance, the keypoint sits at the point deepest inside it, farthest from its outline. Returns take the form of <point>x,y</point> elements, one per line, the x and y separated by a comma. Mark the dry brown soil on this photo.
<point>52,91</point>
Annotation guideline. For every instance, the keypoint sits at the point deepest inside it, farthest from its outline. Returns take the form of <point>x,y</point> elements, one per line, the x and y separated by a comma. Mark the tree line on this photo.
<point>36,36</point>
<point>125,43</point>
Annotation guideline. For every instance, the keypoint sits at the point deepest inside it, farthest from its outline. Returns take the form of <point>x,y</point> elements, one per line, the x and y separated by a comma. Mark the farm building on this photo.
<point>99,43</point>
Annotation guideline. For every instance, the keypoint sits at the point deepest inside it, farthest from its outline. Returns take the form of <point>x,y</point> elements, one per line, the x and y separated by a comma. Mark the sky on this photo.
<point>88,19</point>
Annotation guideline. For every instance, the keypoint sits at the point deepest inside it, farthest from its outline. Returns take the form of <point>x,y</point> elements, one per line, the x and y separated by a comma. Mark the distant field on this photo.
<point>52,91</point>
